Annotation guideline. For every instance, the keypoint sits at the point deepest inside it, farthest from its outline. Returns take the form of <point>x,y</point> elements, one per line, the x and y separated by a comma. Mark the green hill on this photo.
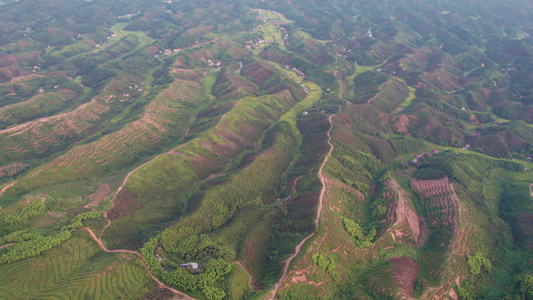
<point>266,150</point>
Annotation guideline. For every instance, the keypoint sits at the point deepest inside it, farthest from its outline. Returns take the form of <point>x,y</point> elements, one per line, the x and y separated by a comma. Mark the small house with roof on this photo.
<point>193,266</point>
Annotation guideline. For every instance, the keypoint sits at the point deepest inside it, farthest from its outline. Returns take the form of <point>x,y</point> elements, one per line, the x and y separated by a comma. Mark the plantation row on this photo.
<point>73,270</point>
<point>13,169</point>
<point>198,158</point>
<point>27,244</point>
<point>164,118</point>
<point>42,137</point>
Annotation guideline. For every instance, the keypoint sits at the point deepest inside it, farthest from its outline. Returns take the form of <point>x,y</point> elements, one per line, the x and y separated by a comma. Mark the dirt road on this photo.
<point>6,245</point>
<point>7,187</point>
<point>298,248</point>
<point>162,285</point>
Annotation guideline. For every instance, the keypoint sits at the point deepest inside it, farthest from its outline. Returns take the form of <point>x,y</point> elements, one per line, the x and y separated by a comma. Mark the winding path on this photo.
<point>161,285</point>
<point>342,84</point>
<point>295,182</point>
<point>298,248</point>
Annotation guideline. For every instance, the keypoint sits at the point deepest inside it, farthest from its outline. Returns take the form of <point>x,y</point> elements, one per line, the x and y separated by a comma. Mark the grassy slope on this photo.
<point>78,268</point>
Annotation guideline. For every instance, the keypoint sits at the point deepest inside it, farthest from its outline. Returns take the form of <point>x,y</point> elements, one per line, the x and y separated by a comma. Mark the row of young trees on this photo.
<point>26,243</point>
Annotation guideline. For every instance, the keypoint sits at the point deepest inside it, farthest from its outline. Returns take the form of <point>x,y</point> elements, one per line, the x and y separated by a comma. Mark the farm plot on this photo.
<point>164,119</point>
<point>13,169</point>
<point>40,105</point>
<point>42,136</point>
<point>198,159</point>
<point>404,220</point>
<point>445,212</point>
<point>76,269</point>
<point>29,206</point>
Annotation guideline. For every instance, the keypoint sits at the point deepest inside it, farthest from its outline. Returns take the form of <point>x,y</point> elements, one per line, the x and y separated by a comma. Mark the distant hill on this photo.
<point>266,150</point>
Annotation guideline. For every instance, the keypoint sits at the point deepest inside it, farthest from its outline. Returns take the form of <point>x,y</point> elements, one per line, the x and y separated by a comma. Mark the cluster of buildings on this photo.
<point>305,113</point>
<point>281,26</point>
<point>255,44</point>
<point>297,71</point>
<point>260,15</point>
<point>305,88</point>
<point>167,52</point>
<point>475,133</point>
<point>213,64</point>
<point>420,157</point>
<point>129,15</point>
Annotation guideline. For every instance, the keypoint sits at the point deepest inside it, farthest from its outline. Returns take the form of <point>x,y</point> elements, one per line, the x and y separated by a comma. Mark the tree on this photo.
<point>524,283</point>
<point>213,293</point>
<point>479,263</point>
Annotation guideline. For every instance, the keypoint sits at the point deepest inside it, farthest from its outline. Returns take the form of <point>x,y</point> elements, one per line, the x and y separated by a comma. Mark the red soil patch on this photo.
<point>258,72</point>
<point>7,60</point>
<point>282,59</point>
<point>321,59</point>
<point>13,169</point>
<point>526,224</point>
<point>405,271</point>
<point>99,195</point>
<point>400,123</point>
<point>7,73</point>
<point>186,74</point>
<point>404,219</point>
<point>443,79</point>
<point>122,205</point>
<point>440,197</point>
<point>473,120</point>
<point>29,55</point>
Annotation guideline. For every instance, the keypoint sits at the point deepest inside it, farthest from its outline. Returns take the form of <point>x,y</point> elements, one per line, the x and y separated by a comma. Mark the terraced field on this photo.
<point>13,169</point>
<point>295,150</point>
<point>45,135</point>
<point>40,105</point>
<point>446,211</point>
<point>76,269</point>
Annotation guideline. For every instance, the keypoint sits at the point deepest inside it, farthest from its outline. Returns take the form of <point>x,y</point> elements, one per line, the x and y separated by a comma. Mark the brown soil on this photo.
<point>442,78</point>
<point>121,205</point>
<point>400,123</point>
<point>474,120</point>
<point>99,195</point>
<point>405,271</point>
<point>298,248</point>
<point>440,195</point>
<point>526,224</point>
<point>404,219</point>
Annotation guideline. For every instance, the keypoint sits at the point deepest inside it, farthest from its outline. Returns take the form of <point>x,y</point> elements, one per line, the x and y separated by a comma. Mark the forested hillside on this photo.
<point>237,149</point>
